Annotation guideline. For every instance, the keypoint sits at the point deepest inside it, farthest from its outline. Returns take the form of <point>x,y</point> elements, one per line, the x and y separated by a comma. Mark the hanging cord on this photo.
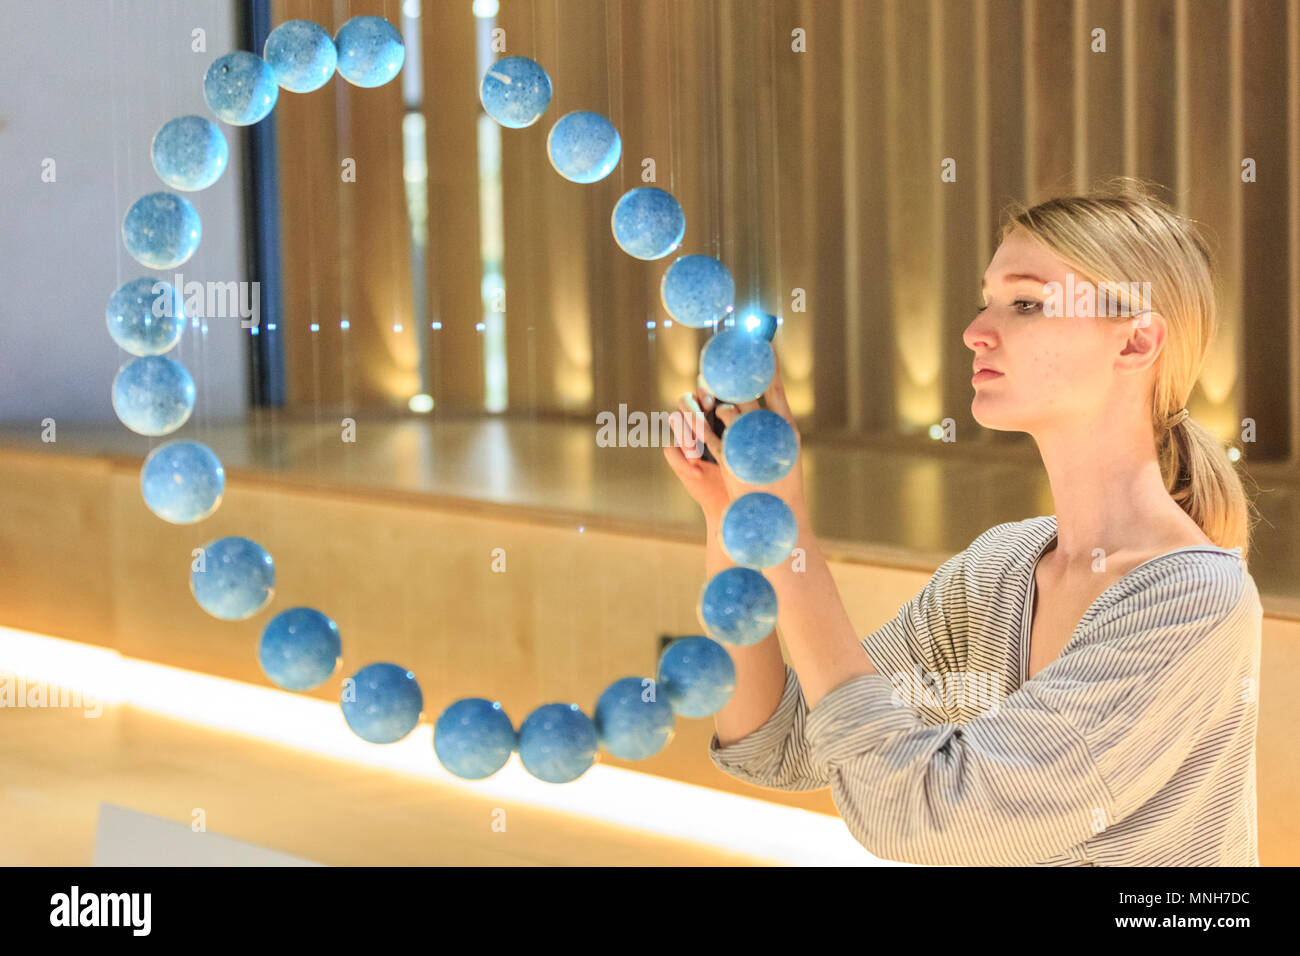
<point>775,113</point>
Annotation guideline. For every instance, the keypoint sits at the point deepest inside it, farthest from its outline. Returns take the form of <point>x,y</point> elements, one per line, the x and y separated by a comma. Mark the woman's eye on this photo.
<point>1025,302</point>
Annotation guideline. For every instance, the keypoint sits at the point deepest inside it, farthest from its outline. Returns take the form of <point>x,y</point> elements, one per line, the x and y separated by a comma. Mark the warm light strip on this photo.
<point>766,832</point>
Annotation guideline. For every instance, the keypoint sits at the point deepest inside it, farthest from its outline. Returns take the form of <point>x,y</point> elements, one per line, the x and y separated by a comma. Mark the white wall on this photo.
<point>88,83</point>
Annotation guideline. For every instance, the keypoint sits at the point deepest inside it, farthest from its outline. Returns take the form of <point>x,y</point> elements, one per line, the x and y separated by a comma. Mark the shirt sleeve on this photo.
<point>1072,752</point>
<point>776,755</point>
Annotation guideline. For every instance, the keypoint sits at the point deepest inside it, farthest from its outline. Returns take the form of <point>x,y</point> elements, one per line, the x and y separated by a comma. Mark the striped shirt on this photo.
<point>1136,747</point>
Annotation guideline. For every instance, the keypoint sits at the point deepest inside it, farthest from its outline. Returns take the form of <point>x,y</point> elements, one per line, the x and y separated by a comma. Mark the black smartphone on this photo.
<point>718,426</point>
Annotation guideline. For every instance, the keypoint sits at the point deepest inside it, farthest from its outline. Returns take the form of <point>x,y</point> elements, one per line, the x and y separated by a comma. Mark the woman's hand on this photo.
<point>713,486</point>
<point>702,479</point>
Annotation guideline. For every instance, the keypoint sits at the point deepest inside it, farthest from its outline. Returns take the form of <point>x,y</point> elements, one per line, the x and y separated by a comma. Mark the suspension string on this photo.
<point>716,123</point>
<point>672,97</point>
<point>779,298</point>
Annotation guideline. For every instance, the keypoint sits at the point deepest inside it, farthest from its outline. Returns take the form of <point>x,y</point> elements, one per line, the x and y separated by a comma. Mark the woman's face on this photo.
<point>1053,368</point>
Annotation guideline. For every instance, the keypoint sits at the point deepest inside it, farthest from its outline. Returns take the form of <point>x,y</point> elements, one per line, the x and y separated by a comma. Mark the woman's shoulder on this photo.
<point>989,565</point>
<point>1025,538</point>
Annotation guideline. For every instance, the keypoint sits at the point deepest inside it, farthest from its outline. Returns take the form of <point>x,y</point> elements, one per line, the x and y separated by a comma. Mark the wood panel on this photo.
<point>1265,326</point>
<point>454,356</point>
<point>814,170</point>
<point>346,244</point>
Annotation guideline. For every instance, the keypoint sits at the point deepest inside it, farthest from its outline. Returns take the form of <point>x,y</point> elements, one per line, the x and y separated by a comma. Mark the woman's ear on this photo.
<point>1144,339</point>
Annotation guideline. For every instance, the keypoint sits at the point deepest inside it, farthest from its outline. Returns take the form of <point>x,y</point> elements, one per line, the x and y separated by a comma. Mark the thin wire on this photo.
<point>716,123</point>
<point>672,98</point>
<point>112,93</point>
<point>755,260</point>
<point>204,416</point>
<point>779,298</point>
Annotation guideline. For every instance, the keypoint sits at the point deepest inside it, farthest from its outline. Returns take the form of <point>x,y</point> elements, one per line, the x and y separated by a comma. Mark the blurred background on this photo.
<point>443,317</point>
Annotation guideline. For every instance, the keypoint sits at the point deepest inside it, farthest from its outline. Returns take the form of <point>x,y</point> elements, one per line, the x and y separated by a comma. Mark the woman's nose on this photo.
<point>979,334</point>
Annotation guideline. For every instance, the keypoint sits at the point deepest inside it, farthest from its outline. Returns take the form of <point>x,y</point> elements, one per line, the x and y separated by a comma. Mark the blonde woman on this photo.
<point>1123,631</point>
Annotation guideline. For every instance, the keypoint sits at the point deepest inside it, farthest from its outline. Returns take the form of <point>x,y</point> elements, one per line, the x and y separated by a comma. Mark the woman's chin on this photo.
<point>988,416</point>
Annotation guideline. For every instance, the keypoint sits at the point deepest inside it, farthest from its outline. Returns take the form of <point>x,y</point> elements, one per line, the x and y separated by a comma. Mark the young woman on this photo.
<point>1123,632</point>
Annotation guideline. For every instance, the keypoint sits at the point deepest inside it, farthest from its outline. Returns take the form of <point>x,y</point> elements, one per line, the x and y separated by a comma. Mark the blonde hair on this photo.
<point>1114,234</point>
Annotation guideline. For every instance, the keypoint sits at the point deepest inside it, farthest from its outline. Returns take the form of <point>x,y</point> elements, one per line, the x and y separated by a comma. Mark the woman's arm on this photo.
<point>825,651</point>
<point>760,669</point>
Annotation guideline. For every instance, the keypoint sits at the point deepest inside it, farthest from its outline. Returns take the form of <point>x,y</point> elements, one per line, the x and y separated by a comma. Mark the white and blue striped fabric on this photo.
<point>1136,747</point>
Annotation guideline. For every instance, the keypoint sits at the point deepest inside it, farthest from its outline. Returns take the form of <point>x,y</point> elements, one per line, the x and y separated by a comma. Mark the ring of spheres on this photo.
<point>233,578</point>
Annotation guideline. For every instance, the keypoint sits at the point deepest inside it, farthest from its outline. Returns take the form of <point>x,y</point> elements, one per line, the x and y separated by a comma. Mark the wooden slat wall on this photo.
<point>451,110</point>
<point>816,171</point>
<point>346,245</point>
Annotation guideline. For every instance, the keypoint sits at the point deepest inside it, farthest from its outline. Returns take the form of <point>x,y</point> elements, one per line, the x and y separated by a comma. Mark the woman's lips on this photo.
<point>984,375</point>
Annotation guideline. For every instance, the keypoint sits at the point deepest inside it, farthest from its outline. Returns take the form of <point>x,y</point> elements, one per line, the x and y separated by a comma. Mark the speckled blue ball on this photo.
<point>302,54</point>
<point>240,88</point>
<point>759,447</point>
<point>584,147</point>
<point>738,607</point>
<point>633,721</point>
<point>515,91</point>
<point>755,323</point>
<point>371,51</point>
<point>648,223</point>
<point>698,291</point>
<point>300,648</point>
<point>190,152</point>
<point>557,743</point>
<point>382,703</point>
<point>737,366</point>
<point>697,676</point>
<point>473,738</point>
<point>161,230</point>
<point>146,316</point>
<point>182,481</point>
<point>233,578</point>
<point>758,530</point>
<point>153,395</point>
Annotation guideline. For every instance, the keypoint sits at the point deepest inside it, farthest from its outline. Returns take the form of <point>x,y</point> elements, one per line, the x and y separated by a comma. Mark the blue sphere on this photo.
<point>371,51</point>
<point>190,153</point>
<point>302,54</point>
<point>738,607</point>
<point>161,230</point>
<point>698,291</point>
<point>557,743</point>
<point>240,88</point>
<point>382,703</point>
<point>754,323</point>
<point>146,316</point>
<point>233,578</point>
<point>473,738</point>
<point>759,447</point>
<point>737,366</point>
<point>697,676</point>
<point>182,481</point>
<point>648,223</point>
<point>758,530</point>
<point>153,395</point>
<point>632,720</point>
<point>584,147</point>
<point>300,648</point>
<point>515,91</point>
